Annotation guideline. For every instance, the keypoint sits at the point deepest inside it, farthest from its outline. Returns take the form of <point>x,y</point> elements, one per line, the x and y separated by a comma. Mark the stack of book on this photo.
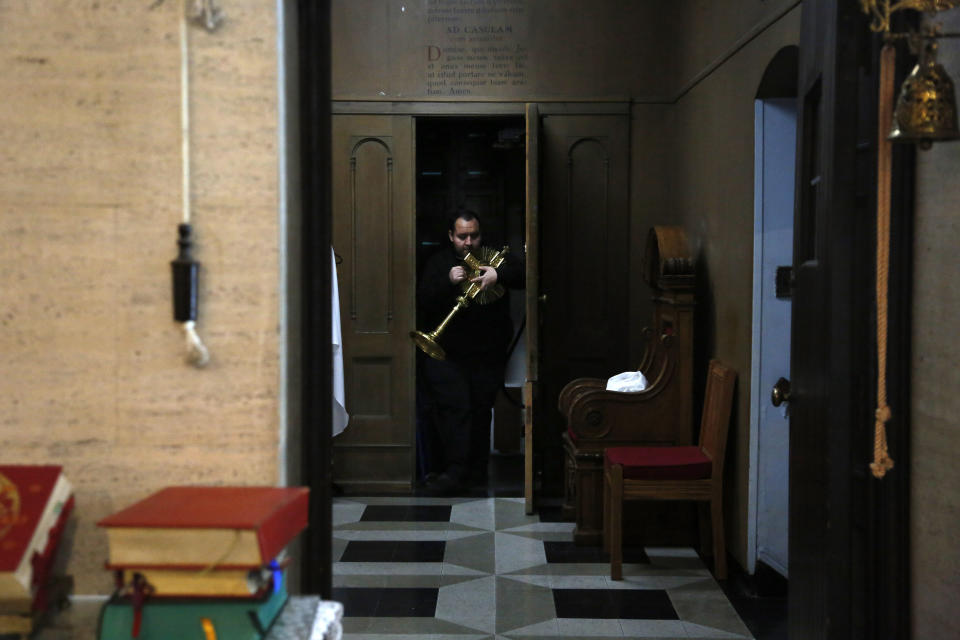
<point>35,502</point>
<point>201,562</point>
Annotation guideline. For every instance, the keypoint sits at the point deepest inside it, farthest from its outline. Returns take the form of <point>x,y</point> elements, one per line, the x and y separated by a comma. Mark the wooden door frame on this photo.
<point>316,384</point>
<point>414,109</point>
<point>779,82</point>
<point>314,396</point>
<point>515,107</point>
<point>763,343</point>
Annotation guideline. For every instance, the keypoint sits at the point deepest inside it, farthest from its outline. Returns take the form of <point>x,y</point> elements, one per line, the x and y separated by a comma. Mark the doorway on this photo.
<point>477,164</point>
<point>775,143</point>
<point>580,159</point>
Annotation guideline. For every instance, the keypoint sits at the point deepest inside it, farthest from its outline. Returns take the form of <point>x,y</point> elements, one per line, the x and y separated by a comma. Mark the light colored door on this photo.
<point>775,143</point>
<point>372,165</point>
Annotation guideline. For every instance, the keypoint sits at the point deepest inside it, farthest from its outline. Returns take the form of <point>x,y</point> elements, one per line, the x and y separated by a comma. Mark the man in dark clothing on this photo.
<point>463,387</point>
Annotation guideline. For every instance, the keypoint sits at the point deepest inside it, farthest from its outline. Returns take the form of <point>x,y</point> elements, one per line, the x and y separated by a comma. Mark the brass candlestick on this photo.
<point>427,342</point>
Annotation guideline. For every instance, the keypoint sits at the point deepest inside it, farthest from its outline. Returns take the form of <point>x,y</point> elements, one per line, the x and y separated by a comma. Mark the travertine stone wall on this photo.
<point>935,405</point>
<point>92,370</point>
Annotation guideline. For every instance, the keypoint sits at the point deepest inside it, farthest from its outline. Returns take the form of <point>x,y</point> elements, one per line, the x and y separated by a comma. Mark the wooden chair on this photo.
<point>674,473</point>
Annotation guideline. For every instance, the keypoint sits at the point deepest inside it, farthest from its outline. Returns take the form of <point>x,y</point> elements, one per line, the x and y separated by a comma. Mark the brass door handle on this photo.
<point>543,298</point>
<point>781,392</point>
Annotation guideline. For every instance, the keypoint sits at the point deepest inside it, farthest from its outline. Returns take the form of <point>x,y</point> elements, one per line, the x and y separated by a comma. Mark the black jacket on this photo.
<point>480,331</point>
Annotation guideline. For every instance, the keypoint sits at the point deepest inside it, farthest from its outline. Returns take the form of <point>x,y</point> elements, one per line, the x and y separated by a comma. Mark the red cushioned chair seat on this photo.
<point>661,463</point>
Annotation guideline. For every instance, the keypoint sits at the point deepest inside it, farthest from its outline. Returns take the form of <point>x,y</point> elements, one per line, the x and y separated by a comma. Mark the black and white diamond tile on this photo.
<point>456,568</point>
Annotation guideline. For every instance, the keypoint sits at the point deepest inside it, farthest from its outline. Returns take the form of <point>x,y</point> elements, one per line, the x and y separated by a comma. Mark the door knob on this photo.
<point>543,298</point>
<point>781,392</point>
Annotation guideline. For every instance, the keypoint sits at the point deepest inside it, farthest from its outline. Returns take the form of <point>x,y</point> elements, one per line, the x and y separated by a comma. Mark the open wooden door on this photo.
<point>532,297</point>
<point>848,543</point>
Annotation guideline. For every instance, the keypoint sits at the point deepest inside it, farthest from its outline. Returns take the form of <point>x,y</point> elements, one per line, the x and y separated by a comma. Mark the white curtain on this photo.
<point>340,415</point>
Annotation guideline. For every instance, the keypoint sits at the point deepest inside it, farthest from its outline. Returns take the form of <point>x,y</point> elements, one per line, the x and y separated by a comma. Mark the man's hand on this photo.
<point>457,275</point>
<point>486,279</point>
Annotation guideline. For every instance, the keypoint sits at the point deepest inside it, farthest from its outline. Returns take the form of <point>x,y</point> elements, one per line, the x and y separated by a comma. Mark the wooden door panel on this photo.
<point>371,467</point>
<point>588,185</point>
<point>370,387</point>
<point>584,225</point>
<point>372,214</point>
<point>372,230</point>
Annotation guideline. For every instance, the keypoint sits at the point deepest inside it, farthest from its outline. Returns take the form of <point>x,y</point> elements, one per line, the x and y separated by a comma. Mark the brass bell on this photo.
<point>926,110</point>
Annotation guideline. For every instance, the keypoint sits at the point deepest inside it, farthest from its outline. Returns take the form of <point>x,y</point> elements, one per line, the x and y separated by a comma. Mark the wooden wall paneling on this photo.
<point>372,160</point>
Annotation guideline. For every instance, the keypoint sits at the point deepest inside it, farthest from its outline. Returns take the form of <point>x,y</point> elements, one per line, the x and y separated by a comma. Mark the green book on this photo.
<point>183,618</point>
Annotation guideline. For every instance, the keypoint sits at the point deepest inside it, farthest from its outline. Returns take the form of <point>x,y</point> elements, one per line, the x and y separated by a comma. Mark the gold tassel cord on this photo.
<point>882,462</point>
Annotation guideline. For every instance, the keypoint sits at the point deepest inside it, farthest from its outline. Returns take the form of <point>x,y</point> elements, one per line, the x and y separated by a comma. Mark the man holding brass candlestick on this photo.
<point>462,383</point>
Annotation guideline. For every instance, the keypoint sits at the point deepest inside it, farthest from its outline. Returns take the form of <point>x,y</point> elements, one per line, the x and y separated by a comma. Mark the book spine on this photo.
<point>43,562</point>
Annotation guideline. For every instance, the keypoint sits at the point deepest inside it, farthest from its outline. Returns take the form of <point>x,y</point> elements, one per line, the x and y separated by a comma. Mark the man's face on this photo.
<point>465,236</point>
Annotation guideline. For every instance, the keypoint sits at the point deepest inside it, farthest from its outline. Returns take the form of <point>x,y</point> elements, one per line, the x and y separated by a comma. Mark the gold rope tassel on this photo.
<point>881,459</point>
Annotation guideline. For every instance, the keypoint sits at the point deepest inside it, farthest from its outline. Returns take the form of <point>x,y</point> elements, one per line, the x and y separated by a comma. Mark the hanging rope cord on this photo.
<point>197,353</point>
<point>882,462</point>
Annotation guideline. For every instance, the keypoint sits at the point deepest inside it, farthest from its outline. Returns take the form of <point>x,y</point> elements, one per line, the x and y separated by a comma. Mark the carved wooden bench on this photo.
<point>597,419</point>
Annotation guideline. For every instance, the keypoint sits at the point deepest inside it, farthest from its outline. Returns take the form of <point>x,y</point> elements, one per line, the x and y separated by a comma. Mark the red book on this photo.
<point>35,501</point>
<point>212,527</point>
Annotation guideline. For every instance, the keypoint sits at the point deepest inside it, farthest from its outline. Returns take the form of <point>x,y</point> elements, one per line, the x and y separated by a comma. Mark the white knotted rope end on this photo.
<point>207,14</point>
<point>197,354</point>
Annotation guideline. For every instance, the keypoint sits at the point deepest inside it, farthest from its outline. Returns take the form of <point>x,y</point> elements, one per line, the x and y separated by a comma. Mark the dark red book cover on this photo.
<point>35,501</point>
<point>25,491</point>
<point>277,514</point>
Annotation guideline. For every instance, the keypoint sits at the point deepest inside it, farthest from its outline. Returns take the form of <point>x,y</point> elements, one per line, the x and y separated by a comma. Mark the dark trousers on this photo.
<point>463,396</point>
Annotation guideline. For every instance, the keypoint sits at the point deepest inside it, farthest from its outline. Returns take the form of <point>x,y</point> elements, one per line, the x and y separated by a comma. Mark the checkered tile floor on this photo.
<point>459,568</point>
